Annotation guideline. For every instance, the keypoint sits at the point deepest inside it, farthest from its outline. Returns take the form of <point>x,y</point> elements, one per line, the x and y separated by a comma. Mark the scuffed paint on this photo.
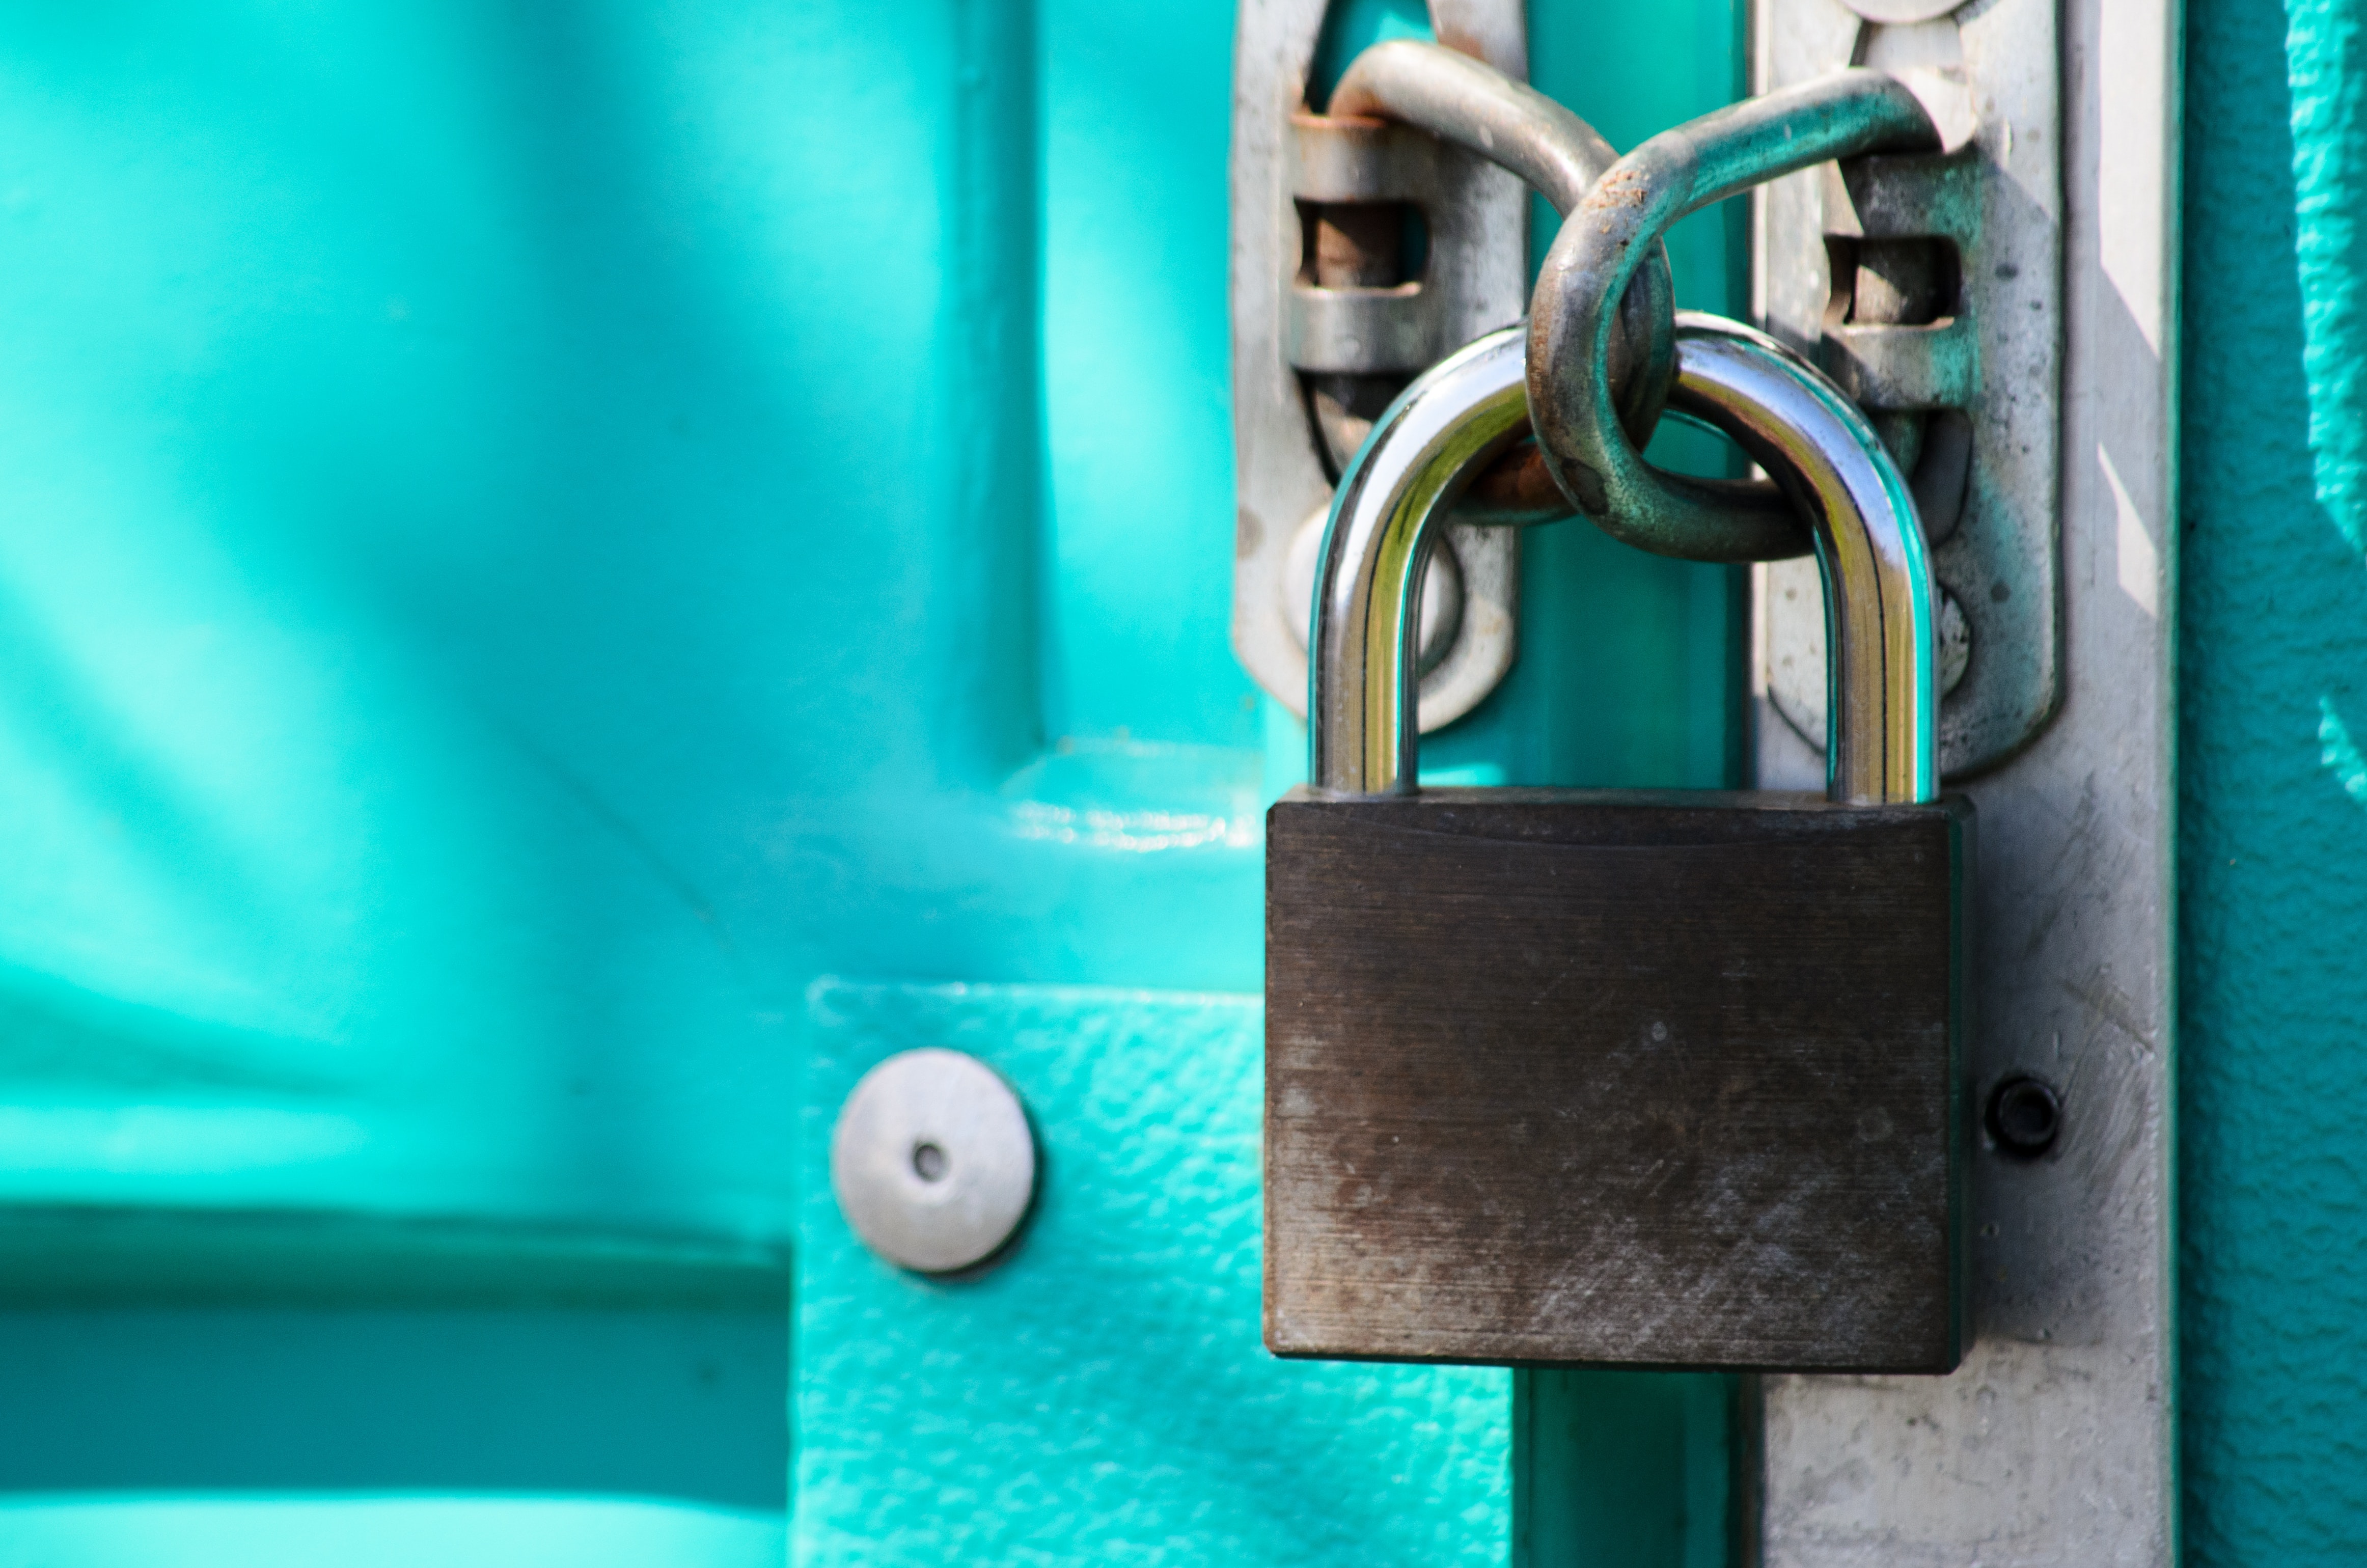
<point>2324,51</point>
<point>1102,1395</point>
<point>2339,753</point>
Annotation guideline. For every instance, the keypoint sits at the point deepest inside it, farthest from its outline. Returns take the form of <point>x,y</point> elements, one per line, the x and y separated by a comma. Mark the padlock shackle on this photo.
<point>1881,733</point>
<point>1882,704</point>
<point>1454,420</point>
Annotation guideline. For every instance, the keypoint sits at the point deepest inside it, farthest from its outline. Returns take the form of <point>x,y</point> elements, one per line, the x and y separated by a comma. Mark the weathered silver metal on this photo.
<point>1966,383</point>
<point>1602,246</point>
<point>1460,416</point>
<point>933,1161</point>
<point>1352,328</point>
<point>1479,107</point>
<point>2055,1445</point>
<point>1286,418</point>
<point>1475,106</point>
<point>1883,613</point>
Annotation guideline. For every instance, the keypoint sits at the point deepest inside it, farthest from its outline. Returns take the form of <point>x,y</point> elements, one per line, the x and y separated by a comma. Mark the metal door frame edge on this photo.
<point>2056,1441</point>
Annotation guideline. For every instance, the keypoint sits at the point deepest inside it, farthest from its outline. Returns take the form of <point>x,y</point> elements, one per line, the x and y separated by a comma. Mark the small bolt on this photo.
<point>2025,1116</point>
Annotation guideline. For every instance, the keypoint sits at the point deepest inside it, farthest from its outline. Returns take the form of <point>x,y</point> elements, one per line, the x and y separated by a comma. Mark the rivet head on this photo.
<point>933,1161</point>
<point>2024,1117</point>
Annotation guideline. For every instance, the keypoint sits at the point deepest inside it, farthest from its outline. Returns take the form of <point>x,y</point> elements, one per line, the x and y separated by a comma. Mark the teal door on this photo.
<point>578,576</point>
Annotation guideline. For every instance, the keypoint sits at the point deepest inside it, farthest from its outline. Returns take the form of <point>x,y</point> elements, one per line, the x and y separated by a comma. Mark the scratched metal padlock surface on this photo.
<point>1621,1077</point>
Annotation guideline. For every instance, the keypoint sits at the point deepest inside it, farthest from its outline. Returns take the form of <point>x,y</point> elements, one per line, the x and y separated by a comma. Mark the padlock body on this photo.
<point>1616,1078</point>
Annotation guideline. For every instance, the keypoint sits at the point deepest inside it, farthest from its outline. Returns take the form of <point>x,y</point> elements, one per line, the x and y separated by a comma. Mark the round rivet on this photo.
<point>2025,1117</point>
<point>933,1161</point>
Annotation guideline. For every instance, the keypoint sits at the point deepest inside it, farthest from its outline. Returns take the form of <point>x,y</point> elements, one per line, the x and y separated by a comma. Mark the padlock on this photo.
<point>1619,1077</point>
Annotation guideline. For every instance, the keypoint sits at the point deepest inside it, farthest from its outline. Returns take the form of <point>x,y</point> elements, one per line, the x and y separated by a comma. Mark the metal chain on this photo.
<point>1602,245</point>
<point>1512,125</point>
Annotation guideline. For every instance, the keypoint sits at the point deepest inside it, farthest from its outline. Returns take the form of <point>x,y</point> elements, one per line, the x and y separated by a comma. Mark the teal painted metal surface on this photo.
<point>382,1532</point>
<point>396,435</point>
<point>239,1435</point>
<point>2273,793</point>
<point>1101,1394</point>
<point>542,532</point>
<point>1630,1469</point>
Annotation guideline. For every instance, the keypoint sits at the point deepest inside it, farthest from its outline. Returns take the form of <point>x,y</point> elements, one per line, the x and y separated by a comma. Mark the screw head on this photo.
<point>933,1161</point>
<point>2025,1117</point>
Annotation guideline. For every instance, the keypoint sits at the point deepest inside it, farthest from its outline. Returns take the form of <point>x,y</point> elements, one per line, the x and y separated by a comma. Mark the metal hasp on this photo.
<point>1691,1094</point>
<point>2054,1445</point>
<point>1930,288</point>
<point>1328,325</point>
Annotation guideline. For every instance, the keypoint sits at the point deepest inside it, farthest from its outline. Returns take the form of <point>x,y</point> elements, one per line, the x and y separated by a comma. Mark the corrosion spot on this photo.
<point>1587,485</point>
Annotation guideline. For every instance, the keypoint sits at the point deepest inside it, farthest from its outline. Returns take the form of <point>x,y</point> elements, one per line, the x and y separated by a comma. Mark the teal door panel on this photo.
<point>392,622</point>
<point>228,1436</point>
<point>1071,1404</point>
<point>546,533</point>
<point>1102,1395</point>
<point>463,683</point>
<point>2272,652</point>
<point>382,1532</point>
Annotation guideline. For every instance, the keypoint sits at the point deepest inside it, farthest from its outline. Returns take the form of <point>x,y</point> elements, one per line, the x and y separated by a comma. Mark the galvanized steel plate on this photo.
<point>2054,1443</point>
<point>1989,72</point>
<point>1477,277</point>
